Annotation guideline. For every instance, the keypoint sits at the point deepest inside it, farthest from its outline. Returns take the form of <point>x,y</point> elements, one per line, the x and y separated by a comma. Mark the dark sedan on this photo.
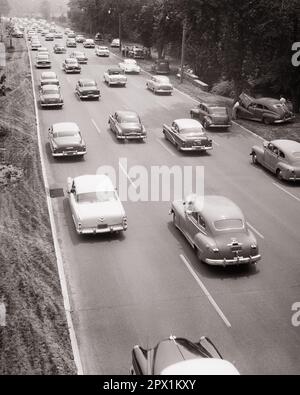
<point>127,126</point>
<point>211,116</point>
<point>71,65</point>
<point>50,96</point>
<point>66,140</point>
<point>87,89</point>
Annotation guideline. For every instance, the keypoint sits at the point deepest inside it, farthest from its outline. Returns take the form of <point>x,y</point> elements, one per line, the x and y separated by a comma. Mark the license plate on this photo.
<point>102,226</point>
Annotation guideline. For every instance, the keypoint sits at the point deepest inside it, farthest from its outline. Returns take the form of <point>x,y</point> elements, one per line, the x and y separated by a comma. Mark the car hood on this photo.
<point>68,141</point>
<point>108,211</point>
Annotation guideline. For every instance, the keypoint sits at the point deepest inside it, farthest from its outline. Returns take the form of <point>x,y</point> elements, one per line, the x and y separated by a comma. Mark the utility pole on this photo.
<point>120,30</point>
<point>184,29</point>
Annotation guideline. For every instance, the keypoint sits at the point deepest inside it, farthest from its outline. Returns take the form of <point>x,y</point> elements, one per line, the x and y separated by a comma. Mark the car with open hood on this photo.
<point>211,116</point>
<point>281,157</point>
<point>130,66</point>
<point>102,51</point>
<point>180,357</point>
<point>71,65</point>
<point>49,78</point>
<point>42,61</point>
<point>266,110</point>
<point>87,88</point>
<point>160,84</point>
<point>50,96</point>
<point>216,229</point>
<point>66,140</point>
<point>95,205</point>
<point>115,76</point>
<point>187,135</point>
<point>80,56</point>
<point>127,125</point>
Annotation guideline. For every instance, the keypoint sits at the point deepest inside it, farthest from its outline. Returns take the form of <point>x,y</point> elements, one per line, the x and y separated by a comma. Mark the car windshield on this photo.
<point>71,61</point>
<point>50,91</point>
<point>114,72</point>
<point>97,197</point>
<point>89,84</point>
<point>103,48</point>
<point>218,111</point>
<point>130,119</point>
<point>229,224</point>
<point>67,133</point>
<point>195,130</point>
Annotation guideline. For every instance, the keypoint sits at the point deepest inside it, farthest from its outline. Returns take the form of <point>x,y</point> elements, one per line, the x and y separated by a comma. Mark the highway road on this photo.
<point>147,284</point>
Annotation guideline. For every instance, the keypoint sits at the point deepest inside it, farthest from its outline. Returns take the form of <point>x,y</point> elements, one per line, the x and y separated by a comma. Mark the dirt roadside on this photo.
<point>35,338</point>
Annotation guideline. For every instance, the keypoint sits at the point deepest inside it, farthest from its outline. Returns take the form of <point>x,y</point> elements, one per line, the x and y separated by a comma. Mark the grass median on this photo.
<point>34,337</point>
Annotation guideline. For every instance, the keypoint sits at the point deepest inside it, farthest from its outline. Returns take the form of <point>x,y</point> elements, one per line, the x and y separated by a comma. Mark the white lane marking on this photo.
<point>127,176</point>
<point>165,147</point>
<point>96,126</point>
<point>249,131</point>
<point>2,315</point>
<point>206,292</point>
<point>59,259</point>
<point>287,192</point>
<point>255,230</point>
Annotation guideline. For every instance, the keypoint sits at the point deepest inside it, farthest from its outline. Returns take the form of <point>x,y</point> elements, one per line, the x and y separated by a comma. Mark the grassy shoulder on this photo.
<point>35,339</point>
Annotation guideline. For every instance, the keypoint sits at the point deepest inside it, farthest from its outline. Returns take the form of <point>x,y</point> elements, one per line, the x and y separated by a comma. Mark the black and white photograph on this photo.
<point>149,190</point>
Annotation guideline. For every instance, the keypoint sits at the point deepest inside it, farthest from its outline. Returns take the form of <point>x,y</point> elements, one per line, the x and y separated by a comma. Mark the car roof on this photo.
<point>86,80</point>
<point>267,101</point>
<point>187,123</point>
<point>52,87</point>
<point>127,113</point>
<point>202,367</point>
<point>65,126</point>
<point>115,69</point>
<point>48,74</point>
<point>215,208</point>
<point>129,60</point>
<point>71,59</point>
<point>288,146</point>
<point>93,183</point>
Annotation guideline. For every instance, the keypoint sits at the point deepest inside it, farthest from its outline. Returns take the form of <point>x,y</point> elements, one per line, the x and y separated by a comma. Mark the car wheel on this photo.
<point>205,124</point>
<point>254,158</point>
<point>279,174</point>
<point>266,121</point>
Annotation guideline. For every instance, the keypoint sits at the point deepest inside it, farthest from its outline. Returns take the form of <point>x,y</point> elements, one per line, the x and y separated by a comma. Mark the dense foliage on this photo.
<point>245,42</point>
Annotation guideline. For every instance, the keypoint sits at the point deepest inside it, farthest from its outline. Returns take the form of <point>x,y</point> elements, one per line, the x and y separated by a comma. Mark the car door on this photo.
<point>113,121</point>
<point>202,113</point>
<point>258,112</point>
<point>193,226</point>
<point>173,133</point>
<point>271,157</point>
<point>73,202</point>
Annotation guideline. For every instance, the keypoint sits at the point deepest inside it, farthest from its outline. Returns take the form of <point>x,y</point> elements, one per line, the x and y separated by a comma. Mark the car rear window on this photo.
<point>97,197</point>
<point>89,84</point>
<point>67,133</point>
<point>218,111</point>
<point>229,224</point>
<point>196,130</point>
<point>130,119</point>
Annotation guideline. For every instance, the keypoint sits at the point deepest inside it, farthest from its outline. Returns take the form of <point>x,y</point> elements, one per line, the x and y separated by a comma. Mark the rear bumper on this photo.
<point>72,71</point>
<point>219,126</point>
<point>95,96</point>
<point>132,137</point>
<point>235,261</point>
<point>285,120</point>
<point>70,153</point>
<point>108,229</point>
<point>164,91</point>
<point>117,82</point>
<point>43,66</point>
<point>52,104</point>
<point>196,148</point>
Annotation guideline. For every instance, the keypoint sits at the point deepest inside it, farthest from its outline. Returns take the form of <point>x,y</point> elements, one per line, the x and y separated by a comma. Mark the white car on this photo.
<point>102,51</point>
<point>43,50</point>
<point>49,78</point>
<point>115,43</point>
<point>160,84</point>
<point>115,76</point>
<point>58,35</point>
<point>43,61</point>
<point>49,37</point>
<point>130,66</point>
<point>89,43</point>
<point>95,205</point>
<point>35,45</point>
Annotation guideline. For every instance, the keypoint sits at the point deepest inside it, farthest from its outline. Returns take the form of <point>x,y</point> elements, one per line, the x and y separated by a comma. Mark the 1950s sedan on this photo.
<point>160,84</point>
<point>281,157</point>
<point>127,125</point>
<point>87,89</point>
<point>265,110</point>
<point>49,78</point>
<point>179,356</point>
<point>217,230</point>
<point>65,140</point>
<point>115,76</point>
<point>95,205</point>
<point>187,135</point>
<point>130,66</point>
<point>211,116</point>
<point>50,96</point>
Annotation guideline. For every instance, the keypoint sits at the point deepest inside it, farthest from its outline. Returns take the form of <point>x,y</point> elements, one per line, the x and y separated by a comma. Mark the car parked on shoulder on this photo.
<point>87,89</point>
<point>80,56</point>
<point>50,96</point>
<point>266,110</point>
<point>180,357</point>
<point>43,61</point>
<point>89,43</point>
<point>59,49</point>
<point>161,66</point>
<point>115,76</point>
<point>71,43</point>
<point>115,43</point>
<point>281,157</point>
<point>216,229</point>
<point>127,125</point>
<point>101,50</point>
<point>71,65</point>
<point>211,116</point>
<point>66,140</point>
<point>187,135</point>
<point>49,78</point>
<point>130,66</point>
<point>160,84</point>
<point>95,205</point>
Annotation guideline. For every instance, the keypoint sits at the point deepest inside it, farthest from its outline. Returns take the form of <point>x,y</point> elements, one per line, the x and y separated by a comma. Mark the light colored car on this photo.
<point>58,35</point>
<point>65,140</point>
<point>216,229</point>
<point>43,61</point>
<point>49,78</point>
<point>211,115</point>
<point>281,157</point>
<point>79,38</point>
<point>187,135</point>
<point>71,34</point>
<point>160,84</point>
<point>43,50</point>
<point>71,43</point>
<point>130,66</point>
<point>35,45</point>
<point>49,37</point>
<point>115,43</point>
<point>71,65</point>
<point>50,96</point>
<point>115,76</point>
<point>101,50</point>
<point>80,56</point>
<point>95,205</point>
<point>89,43</point>
<point>127,125</point>
<point>87,89</point>
<point>59,49</point>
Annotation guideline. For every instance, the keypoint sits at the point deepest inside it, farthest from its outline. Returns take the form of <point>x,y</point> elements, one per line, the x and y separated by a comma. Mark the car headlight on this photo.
<point>253,246</point>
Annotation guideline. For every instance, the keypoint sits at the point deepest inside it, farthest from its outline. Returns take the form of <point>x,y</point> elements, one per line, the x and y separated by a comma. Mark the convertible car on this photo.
<point>127,126</point>
<point>187,135</point>
<point>266,110</point>
<point>211,116</point>
<point>87,89</point>
<point>115,76</point>
<point>217,230</point>
<point>95,205</point>
<point>281,157</point>
<point>65,140</point>
<point>50,96</point>
<point>180,357</point>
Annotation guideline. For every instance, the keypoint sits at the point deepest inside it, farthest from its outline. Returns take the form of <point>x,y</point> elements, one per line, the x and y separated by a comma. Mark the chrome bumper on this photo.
<point>235,261</point>
<point>108,229</point>
<point>52,104</point>
<point>68,153</point>
<point>196,148</point>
